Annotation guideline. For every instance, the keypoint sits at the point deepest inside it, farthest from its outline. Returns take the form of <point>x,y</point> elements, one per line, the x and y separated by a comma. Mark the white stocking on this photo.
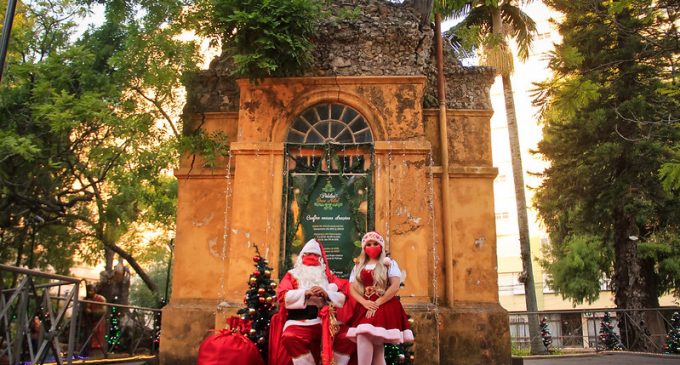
<point>340,359</point>
<point>306,359</point>
<point>364,350</point>
<point>379,354</point>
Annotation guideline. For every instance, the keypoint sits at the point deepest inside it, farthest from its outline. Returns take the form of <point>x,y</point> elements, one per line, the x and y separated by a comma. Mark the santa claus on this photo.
<point>304,295</point>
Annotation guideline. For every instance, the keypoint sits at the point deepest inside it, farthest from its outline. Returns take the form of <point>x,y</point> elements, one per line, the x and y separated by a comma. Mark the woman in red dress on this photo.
<point>379,318</point>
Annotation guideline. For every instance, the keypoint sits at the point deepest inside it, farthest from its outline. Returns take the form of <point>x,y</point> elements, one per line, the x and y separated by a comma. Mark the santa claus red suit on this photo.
<point>304,295</point>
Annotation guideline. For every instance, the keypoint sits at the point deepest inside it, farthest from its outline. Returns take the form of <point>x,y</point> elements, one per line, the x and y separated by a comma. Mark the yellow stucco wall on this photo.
<point>224,211</point>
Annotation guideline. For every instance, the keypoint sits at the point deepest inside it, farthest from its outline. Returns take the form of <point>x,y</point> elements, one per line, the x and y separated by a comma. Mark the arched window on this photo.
<point>330,122</point>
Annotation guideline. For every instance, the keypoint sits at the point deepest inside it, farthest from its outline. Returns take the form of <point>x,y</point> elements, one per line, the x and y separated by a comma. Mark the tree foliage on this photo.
<point>608,131</point>
<point>91,128</point>
<point>476,31</point>
<point>265,38</point>
<point>141,296</point>
<point>582,260</point>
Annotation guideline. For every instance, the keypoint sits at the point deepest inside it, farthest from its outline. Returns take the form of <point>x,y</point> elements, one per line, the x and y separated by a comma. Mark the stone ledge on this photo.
<point>459,113</point>
<point>256,148</point>
<point>468,171</point>
<point>402,147</point>
<point>337,80</point>
<point>202,173</point>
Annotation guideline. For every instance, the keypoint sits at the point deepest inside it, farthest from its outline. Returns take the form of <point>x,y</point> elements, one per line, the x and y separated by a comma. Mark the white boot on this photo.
<point>340,359</point>
<point>306,359</point>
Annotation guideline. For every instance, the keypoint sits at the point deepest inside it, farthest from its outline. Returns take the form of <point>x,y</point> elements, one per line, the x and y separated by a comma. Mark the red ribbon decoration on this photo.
<point>236,324</point>
<point>326,336</point>
<point>329,328</point>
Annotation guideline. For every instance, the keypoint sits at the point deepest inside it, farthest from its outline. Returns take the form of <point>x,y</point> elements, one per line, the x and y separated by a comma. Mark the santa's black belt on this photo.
<point>310,312</point>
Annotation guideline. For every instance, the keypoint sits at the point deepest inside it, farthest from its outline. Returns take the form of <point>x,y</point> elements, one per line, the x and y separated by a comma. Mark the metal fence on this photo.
<point>581,329</point>
<point>42,320</point>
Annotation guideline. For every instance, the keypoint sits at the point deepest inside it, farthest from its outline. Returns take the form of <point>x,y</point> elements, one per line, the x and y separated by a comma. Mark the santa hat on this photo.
<point>376,237</point>
<point>315,247</point>
<point>373,236</point>
<point>312,246</point>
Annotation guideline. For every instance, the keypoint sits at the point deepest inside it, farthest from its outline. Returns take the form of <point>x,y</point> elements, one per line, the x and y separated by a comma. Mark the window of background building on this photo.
<point>502,215</point>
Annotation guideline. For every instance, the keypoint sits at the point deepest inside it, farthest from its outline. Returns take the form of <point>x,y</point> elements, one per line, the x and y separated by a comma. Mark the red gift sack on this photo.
<point>228,348</point>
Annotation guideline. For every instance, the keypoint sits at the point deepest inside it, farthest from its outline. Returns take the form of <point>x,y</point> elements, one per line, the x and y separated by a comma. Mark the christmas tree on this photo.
<point>673,337</point>
<point>113,337</point>
<point>609,340</point>
<point>545,335</point>
<point>260,300</point>
<point>401,353</point>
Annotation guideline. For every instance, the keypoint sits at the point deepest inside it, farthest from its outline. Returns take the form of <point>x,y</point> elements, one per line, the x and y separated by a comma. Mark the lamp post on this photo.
<point>6,31</point>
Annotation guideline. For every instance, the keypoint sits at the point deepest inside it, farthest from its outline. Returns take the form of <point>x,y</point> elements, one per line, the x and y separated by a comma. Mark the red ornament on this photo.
<point>256,273</point>
<point>261,299</point>
<point>256,258</point>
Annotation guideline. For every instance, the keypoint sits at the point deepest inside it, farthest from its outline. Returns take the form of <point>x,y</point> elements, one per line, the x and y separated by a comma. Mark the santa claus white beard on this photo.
<point>309,276</point>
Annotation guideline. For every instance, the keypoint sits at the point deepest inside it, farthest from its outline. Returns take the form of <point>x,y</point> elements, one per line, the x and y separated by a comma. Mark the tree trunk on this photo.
<point>20,253</point>
<point>135,265</point>
<point>635,283</point>
<point>520,199</point>
<point>424,10</point>
<point>537,346</point>
<point>630,291</point>
<point>108,259</point>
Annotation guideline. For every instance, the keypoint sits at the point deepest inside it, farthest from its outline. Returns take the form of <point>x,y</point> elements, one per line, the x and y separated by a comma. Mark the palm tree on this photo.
<point>495,22</point>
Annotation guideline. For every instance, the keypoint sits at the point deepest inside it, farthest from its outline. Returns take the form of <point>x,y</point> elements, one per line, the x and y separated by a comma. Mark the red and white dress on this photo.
<point>390,322</point>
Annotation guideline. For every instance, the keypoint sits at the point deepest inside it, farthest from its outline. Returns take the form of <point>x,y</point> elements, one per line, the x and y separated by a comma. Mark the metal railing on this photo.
<point>42,320</point>
<point>580,329</point>
<point>31,321</point>
<point>122,330</point>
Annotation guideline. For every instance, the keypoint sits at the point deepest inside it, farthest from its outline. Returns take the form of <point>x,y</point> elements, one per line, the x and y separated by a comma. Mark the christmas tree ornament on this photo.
<point>608,339</point>
<point>545,334</point>
<point>673,337</point>
<point>257,310</point>
<point>269,299</point>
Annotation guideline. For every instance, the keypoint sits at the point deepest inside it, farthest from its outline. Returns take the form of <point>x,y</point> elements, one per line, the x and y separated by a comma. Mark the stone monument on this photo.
<point>363,120</point>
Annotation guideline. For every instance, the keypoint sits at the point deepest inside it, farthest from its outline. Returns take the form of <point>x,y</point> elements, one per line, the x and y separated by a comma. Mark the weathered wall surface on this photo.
<point>389,102</point>
<point>378,60</point>
<point>361,38</point>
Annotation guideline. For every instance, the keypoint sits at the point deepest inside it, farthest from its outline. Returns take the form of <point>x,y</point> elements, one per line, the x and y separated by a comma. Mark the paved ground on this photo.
<point>601,359</point>
<point>606,359</point>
